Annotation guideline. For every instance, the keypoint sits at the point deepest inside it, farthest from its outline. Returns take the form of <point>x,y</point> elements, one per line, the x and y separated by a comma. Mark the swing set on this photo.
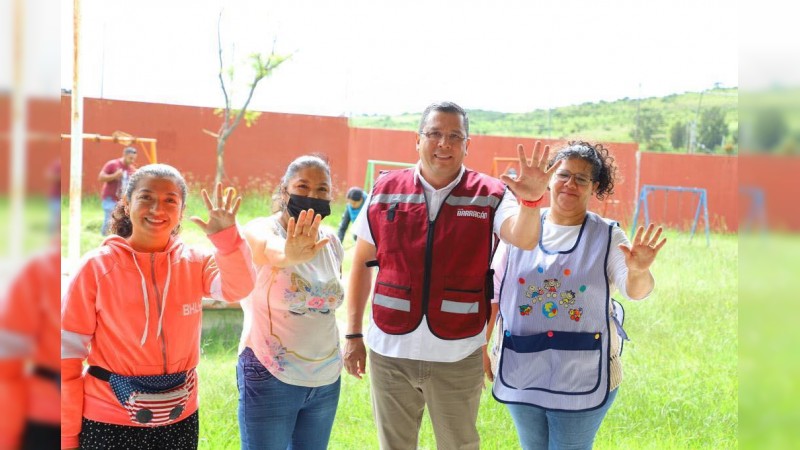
<point>702,204</point>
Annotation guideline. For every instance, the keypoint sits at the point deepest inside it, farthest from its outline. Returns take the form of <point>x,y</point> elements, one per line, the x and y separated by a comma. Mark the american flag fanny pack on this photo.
<point>151,400</point>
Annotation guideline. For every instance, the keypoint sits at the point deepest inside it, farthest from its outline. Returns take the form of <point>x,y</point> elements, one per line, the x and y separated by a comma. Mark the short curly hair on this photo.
<point>604,170</point>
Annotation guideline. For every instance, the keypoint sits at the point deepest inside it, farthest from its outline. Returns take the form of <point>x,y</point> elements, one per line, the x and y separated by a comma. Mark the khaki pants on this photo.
<point>402,387</point>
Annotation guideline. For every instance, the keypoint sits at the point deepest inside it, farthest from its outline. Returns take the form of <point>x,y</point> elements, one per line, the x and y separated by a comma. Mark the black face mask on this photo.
<point>299,203</point>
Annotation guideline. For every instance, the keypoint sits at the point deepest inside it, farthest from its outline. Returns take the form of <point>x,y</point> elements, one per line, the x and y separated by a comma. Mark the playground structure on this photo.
<point>643,205</point>
<point>122,138</point>
<point>369,177</point>
<point>755,217</point>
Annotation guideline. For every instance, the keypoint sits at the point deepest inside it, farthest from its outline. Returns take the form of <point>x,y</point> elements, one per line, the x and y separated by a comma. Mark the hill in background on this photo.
<point>664,123</point>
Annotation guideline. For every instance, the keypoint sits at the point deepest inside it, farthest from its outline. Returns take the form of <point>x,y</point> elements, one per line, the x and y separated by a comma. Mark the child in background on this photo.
<point>355,200</point>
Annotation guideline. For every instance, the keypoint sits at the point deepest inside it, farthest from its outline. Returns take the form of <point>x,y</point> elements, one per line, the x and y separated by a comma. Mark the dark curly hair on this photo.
<point>604,171</point>
<point>120,219</point>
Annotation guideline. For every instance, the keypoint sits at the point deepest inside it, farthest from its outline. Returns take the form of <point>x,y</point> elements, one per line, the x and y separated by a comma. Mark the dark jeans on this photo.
<point>276,415</point>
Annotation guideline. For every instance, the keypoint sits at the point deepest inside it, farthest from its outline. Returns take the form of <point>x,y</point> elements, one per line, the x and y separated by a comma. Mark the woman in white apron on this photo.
<point>559,340</point>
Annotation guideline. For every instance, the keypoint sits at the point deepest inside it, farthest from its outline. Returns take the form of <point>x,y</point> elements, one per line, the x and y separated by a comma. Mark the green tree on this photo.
<point>677,134</point>
<point>769,129</point>
<point>649,127</point>
<point>713,128</point>
<point>261,67</point>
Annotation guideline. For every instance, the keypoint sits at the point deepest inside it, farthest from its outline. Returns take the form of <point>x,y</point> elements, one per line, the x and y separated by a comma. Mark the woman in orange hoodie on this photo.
<point>133,312</point>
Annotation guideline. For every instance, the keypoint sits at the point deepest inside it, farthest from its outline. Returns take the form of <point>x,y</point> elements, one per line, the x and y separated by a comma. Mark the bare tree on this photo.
<point>262,67</point>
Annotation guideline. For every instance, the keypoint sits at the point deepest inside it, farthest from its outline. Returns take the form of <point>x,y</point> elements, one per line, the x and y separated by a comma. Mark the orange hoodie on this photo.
<point>29,324</point>
<point>141,315</point>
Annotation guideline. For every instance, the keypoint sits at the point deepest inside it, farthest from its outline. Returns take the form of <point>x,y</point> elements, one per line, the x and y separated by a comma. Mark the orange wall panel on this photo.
<point>257,157</point>
<point>717,174</point>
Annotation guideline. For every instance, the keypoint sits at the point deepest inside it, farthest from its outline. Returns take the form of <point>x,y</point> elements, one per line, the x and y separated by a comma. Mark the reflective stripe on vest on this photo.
<point>398,198</point>
<point>392,302</point>
<point>482,201</point>
<point>460,308</point>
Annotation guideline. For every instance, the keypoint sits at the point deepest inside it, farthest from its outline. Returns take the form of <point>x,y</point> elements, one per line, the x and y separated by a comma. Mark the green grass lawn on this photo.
<point>680,388</point>
<point>35,220</point>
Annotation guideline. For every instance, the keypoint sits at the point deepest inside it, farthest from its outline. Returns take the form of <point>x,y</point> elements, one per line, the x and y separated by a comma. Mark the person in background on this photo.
<point>559,339</point>
<point>355,200</point>
<point>115,175</point>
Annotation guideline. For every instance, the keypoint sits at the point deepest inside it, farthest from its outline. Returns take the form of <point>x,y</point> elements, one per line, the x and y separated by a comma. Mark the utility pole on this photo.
<point>693,131</point>
<point>76,144</point>
<point>19,124</point>
<point>638,108</point>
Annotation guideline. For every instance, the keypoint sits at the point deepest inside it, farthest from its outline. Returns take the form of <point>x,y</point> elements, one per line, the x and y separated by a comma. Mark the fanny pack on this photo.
<point>150,400</point>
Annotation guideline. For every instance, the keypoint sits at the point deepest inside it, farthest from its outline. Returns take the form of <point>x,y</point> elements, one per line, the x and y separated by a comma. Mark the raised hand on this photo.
<point>643,250</point>
<point>221,212</point>
<point>531,184</point>
<point>301,237</point>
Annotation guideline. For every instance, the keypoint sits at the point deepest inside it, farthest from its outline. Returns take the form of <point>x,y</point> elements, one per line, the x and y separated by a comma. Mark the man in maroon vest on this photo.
<point>430,231</point>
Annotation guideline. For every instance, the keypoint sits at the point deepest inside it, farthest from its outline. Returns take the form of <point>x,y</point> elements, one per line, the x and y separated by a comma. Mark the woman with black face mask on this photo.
<point>289,359</point>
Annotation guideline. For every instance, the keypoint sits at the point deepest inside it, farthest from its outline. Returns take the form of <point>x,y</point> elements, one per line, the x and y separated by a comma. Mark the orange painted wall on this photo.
<point>254,157</point>
<point>717,174</point>
<point>42,148</point>
<point>776,178</point>
<point>257,156</point>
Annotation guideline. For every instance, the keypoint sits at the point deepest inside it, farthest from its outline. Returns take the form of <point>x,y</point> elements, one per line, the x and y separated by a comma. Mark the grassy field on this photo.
<point>36,220</point>
<point>680,388</point>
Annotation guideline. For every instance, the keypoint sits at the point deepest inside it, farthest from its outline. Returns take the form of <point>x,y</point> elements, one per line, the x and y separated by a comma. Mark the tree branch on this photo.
<point>242,111</point>
<point>227,111</point>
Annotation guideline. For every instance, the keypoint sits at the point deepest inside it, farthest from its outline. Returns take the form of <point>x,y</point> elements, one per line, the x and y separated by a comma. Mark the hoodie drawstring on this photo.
<point>147,299</point>
<point>146,302</point>
<point>164,296</point>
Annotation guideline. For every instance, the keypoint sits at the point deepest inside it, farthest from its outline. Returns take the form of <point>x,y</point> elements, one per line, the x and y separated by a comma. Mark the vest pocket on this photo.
<point>391,304</point>
<point>392,224</point>
<point>559,362</point>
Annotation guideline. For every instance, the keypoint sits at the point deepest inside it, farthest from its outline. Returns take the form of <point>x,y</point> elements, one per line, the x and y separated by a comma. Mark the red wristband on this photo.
<point>532,204</point>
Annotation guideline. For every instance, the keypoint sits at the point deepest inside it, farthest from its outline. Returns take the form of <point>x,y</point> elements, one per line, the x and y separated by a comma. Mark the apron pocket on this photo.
<point>556,361</point>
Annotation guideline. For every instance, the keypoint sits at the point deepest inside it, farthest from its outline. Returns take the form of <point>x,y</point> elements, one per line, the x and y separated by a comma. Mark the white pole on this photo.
<point>18,136</point>
<point>76,144</point>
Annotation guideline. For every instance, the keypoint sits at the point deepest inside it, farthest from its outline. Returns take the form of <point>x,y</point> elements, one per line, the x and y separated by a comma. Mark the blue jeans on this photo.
<point>542,429</point>
<point>108,205</point>
<point>276,415</point>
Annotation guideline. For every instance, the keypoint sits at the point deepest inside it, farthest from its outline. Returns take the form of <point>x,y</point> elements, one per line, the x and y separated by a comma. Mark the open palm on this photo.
<point>221,211</point>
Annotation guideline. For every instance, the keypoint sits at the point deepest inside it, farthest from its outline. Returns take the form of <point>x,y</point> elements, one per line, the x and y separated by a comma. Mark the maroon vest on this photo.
<point>435,269</point>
